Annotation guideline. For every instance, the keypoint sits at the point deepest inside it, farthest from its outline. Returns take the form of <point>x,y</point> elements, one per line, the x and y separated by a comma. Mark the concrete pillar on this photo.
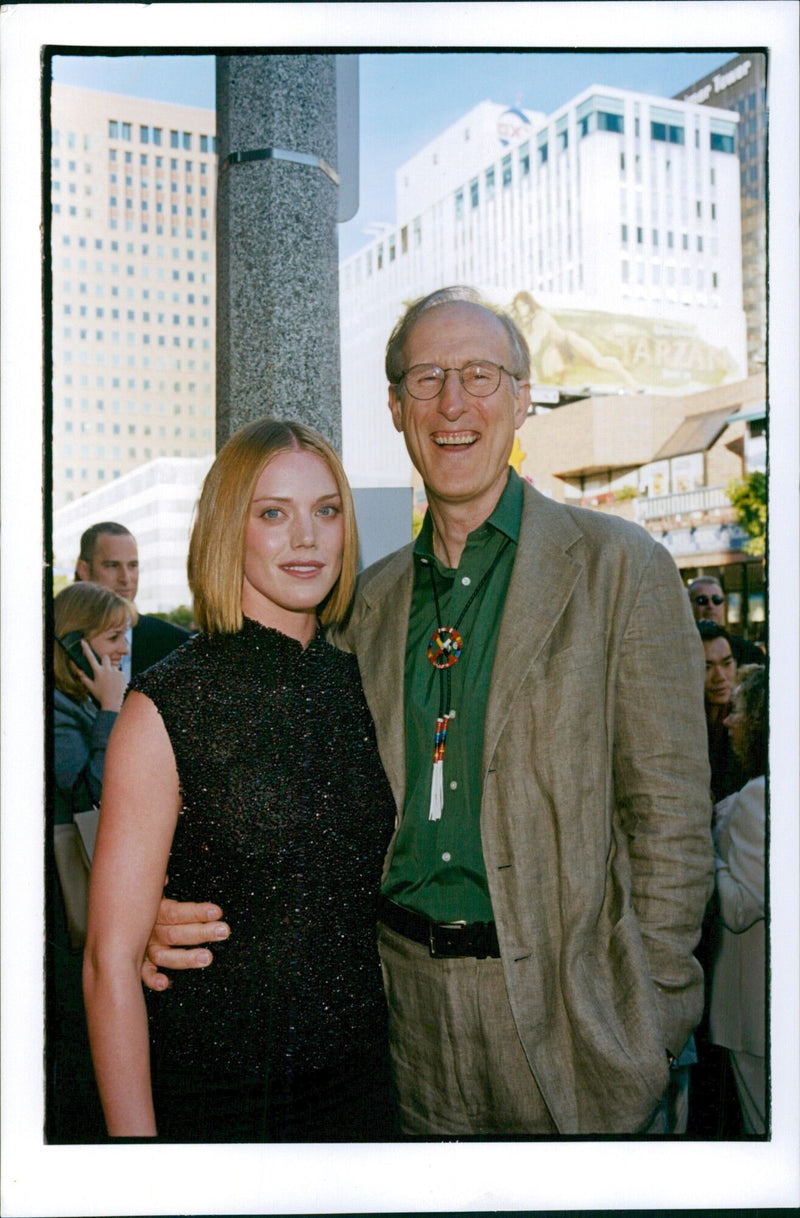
<point>277,246</point>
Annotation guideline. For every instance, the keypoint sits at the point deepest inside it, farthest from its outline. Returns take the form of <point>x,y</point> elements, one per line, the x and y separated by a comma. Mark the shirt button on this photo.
<point>466,581</point>
<point>446,856</point>
<point>453,785</point>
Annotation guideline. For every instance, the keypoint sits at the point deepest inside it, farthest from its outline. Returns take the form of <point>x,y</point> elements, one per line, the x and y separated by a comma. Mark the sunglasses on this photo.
<point>703,600</point>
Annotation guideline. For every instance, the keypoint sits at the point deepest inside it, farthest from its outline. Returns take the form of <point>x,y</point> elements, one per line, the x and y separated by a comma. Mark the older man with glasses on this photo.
<point>535,679</point>
<point>707,599</point>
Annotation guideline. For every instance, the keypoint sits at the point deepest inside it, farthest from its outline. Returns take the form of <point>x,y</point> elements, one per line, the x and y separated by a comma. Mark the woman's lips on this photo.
<point>302,570</point>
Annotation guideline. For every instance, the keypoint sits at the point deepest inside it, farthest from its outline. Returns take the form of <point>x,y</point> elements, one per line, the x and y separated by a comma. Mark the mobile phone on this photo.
<point>71,643</point>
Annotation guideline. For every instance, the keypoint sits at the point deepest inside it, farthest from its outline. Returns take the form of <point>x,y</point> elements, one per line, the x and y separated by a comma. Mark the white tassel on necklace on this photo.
<point>437,780</point>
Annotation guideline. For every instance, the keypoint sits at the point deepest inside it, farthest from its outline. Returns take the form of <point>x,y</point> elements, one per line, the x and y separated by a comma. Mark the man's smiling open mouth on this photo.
<point>455,439</point>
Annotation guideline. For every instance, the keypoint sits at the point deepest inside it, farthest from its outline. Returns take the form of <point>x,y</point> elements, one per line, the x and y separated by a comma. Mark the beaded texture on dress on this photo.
<point>285,821</point>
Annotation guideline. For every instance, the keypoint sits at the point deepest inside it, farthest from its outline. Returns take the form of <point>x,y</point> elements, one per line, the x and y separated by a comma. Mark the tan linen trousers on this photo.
<point>458,1062</point>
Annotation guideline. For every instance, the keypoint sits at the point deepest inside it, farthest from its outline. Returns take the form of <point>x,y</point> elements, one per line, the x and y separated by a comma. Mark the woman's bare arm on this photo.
<point>139,811</point>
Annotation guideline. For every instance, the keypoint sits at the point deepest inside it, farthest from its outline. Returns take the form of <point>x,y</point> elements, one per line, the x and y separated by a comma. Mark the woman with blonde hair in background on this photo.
<point>90,624</point>
<point>245,765</point>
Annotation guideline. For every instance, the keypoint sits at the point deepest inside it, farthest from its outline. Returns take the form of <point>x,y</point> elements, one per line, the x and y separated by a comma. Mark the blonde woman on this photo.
<point>93,622</point>
<point>90,624</point>
<point>245,764</point>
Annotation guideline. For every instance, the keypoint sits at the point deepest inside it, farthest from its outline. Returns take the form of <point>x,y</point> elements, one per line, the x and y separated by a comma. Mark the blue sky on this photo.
<point>407,98</point>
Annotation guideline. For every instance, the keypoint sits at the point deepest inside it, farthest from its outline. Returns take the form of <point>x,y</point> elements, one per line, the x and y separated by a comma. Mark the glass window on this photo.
<point>524,159</point>
<point>607,122</point>
<point>722,143</point>
<point>473,193</point>
<point>506,168</point>
<point>669,132</point>
<point>144,134</point>
<point>459,198</point>
<point>126,131</point>
<point>187,140</point>
<point>490,183</point>
<point>173,139</point>
<point>113,129</point>
<point>157,136</point>
<point>204,143</point>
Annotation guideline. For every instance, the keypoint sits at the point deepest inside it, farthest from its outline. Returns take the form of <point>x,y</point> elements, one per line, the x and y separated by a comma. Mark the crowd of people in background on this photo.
<point>100,641</point>
<point>736,980</point>
<point>248,757</point>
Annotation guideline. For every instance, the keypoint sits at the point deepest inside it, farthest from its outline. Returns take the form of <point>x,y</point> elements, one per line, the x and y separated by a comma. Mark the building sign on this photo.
<point>512,127</point>
<point>707,539</point>
<point>582,347</point>
<point>722,80</point>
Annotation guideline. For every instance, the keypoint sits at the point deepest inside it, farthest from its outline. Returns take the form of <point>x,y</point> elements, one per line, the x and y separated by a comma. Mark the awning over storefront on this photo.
<point>748,414</point>
<point>695,434</point>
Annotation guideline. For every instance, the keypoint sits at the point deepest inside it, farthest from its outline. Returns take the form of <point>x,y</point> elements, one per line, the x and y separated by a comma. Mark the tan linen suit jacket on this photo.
<point>595,813</point>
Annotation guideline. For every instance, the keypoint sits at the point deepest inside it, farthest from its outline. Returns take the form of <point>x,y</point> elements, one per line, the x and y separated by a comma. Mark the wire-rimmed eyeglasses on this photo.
<point>702,600</point>
<point>480,378</point>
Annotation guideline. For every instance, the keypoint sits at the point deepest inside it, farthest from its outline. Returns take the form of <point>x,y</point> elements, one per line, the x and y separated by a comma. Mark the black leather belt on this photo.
<point>443,939</point>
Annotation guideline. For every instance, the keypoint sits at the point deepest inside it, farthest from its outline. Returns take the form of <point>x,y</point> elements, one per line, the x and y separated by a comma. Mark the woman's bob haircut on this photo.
<point>92,609</point>
<point>217,545</point>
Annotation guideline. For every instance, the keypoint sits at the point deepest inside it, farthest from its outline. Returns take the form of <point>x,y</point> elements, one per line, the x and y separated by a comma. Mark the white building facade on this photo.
<point>133,285</point>
<point>615,219</point>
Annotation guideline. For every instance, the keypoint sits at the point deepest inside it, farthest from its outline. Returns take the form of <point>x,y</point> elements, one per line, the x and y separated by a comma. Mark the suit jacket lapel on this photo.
<point>541,584</point>
<point>378,637</point>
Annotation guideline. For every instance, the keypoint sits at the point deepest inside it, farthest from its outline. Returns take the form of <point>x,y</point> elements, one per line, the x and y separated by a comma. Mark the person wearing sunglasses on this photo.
<point>707,599</point>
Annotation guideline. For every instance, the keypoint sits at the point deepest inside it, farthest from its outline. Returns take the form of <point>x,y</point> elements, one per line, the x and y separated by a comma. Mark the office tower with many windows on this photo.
<point>741,85</point>
<point>133,293</point>
<point>611,228</point>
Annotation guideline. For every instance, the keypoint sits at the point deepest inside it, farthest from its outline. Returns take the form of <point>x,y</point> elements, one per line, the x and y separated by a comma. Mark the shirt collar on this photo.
<point>506,518</point>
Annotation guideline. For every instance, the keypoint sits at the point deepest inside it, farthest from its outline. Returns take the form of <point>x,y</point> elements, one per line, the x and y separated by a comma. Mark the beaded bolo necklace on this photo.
<point>444,650</point>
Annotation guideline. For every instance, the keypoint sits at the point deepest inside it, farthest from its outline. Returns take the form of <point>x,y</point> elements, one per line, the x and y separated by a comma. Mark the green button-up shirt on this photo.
<point>437,867</point>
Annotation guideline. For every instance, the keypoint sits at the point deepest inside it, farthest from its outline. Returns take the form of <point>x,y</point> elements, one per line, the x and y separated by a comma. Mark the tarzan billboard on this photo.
<point>575,348</point>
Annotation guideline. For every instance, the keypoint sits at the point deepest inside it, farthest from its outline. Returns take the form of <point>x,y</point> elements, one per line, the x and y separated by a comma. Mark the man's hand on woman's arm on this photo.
<point>175,940</point>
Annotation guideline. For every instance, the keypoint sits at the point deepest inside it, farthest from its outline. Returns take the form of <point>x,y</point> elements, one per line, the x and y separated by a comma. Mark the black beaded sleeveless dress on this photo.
<point>286,816</point>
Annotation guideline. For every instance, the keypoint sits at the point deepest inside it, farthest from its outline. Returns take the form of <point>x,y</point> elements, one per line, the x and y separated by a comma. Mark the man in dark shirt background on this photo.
<point>109,556</point>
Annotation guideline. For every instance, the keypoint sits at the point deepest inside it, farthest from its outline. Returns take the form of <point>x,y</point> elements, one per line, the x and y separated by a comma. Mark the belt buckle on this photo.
<point>433,938</point>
